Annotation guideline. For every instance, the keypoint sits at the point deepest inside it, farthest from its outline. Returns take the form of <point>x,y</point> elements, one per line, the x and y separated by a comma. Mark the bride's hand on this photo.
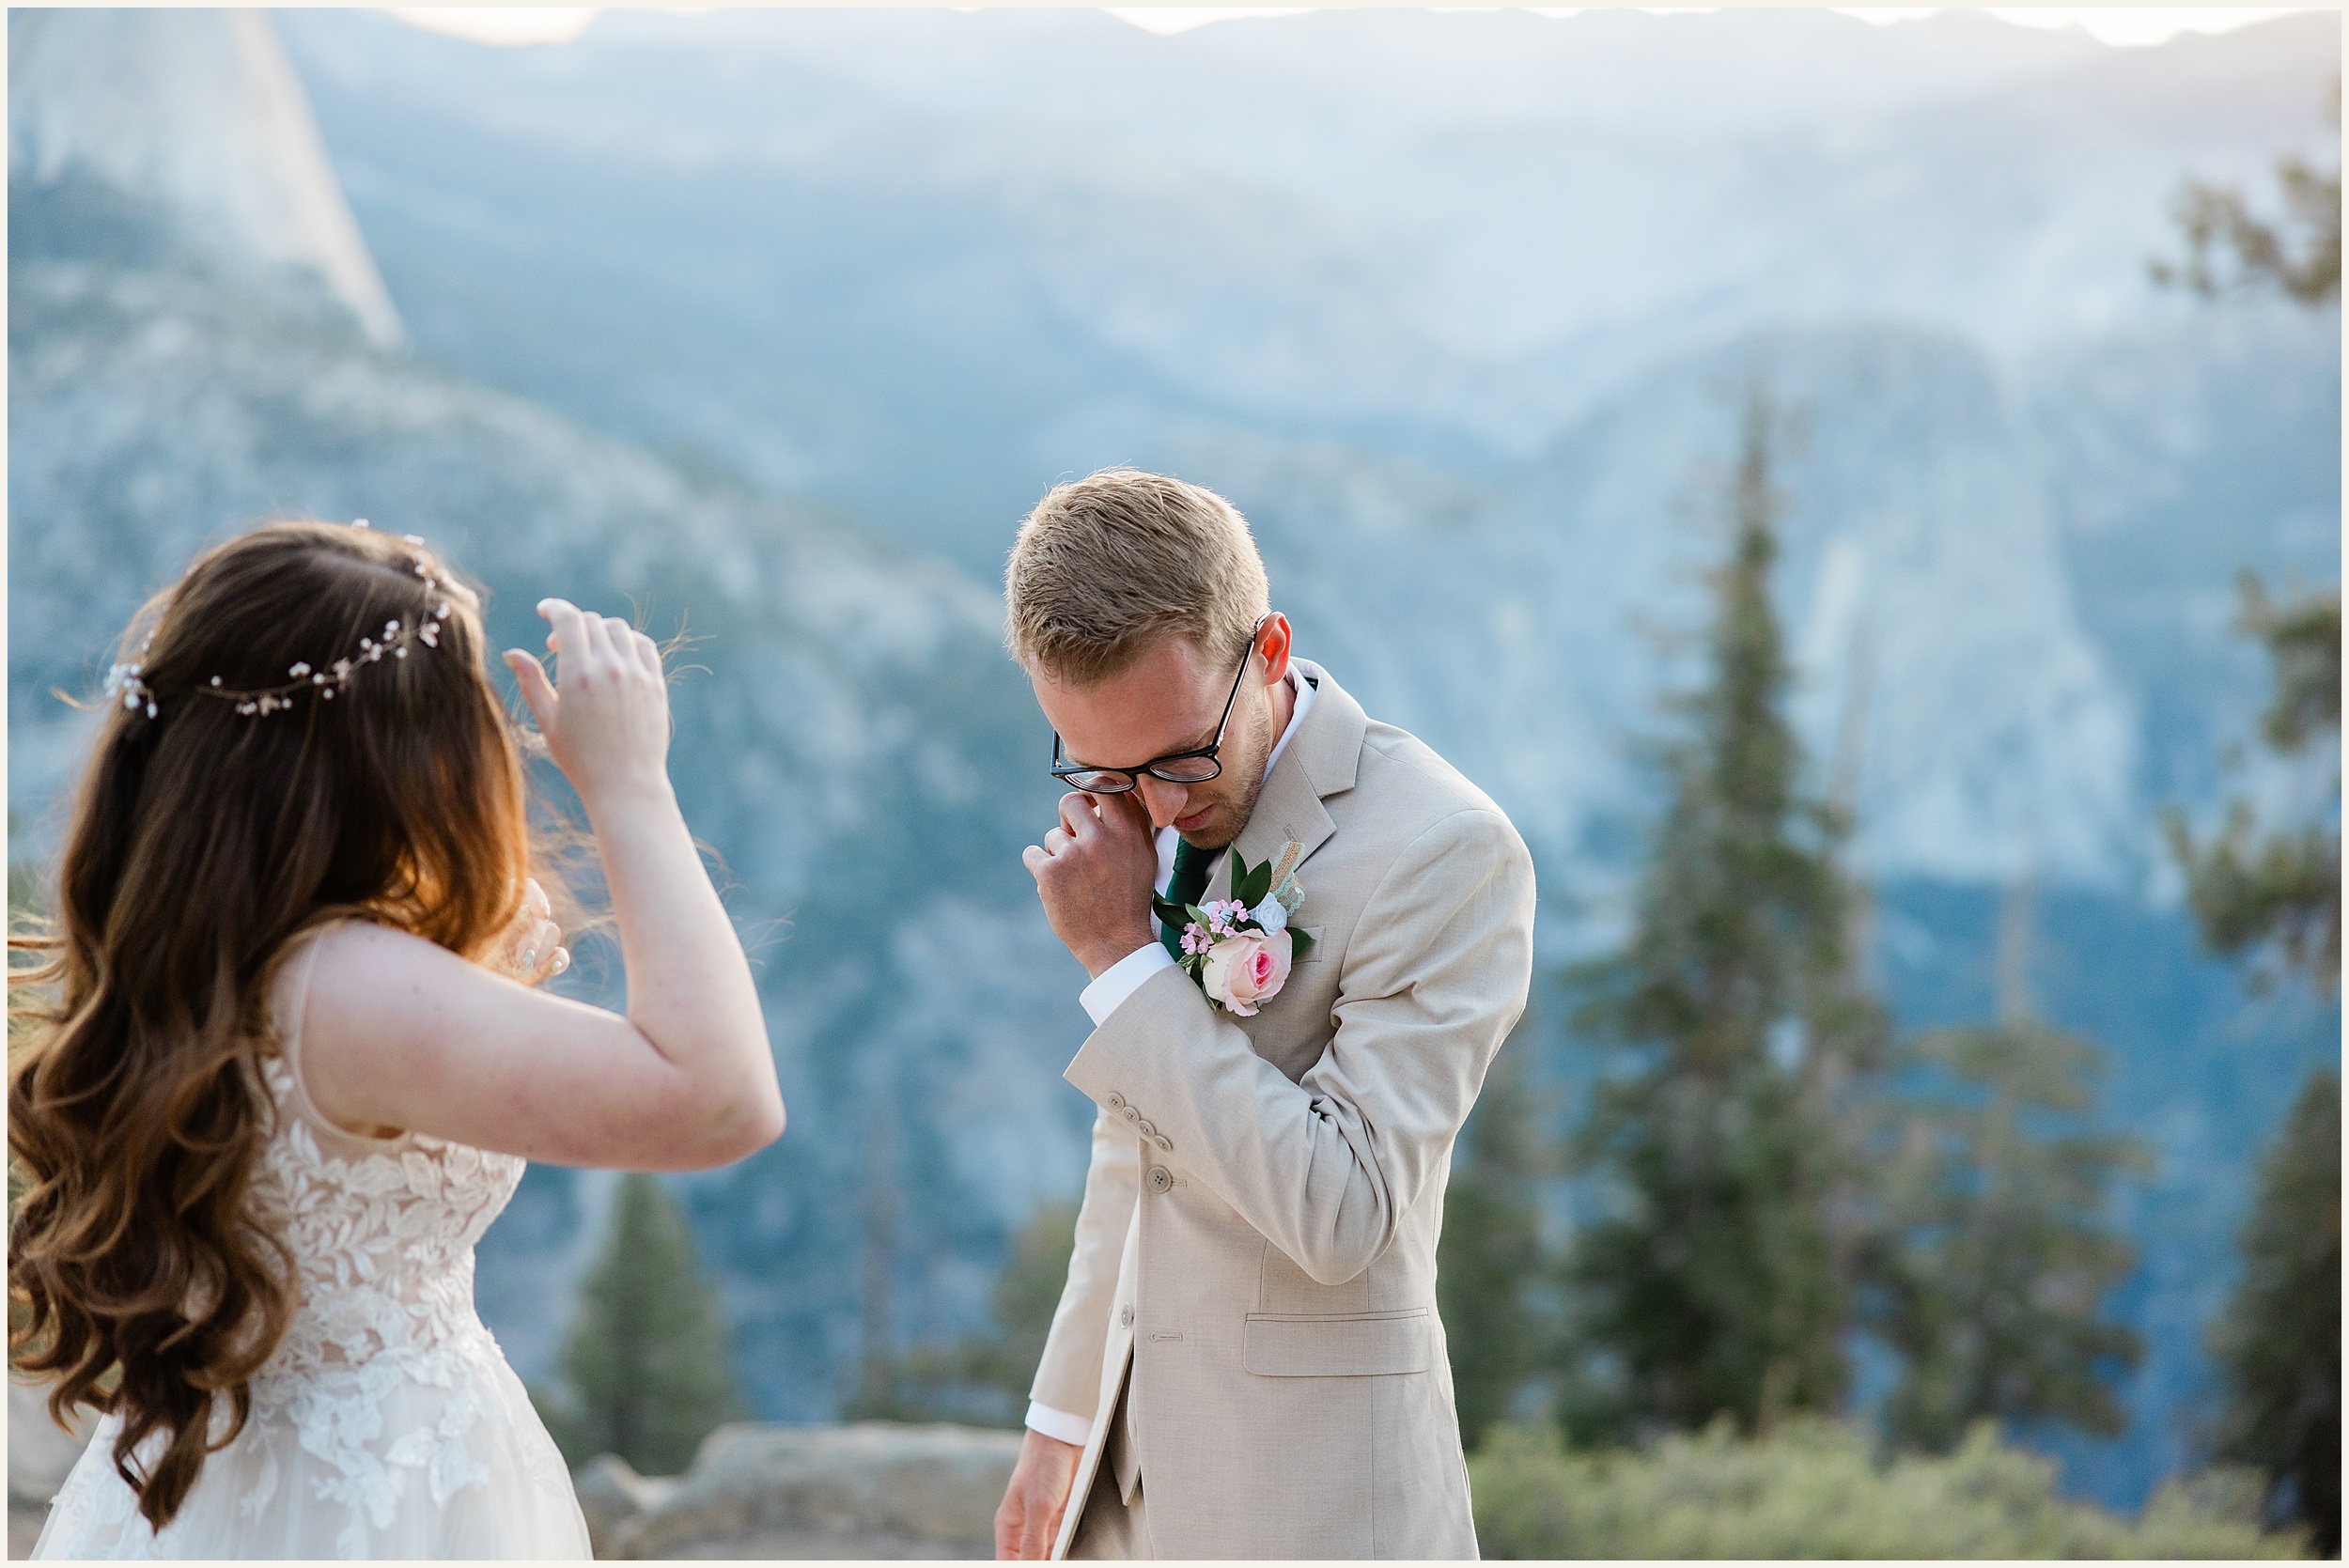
<point>531,951</point>
<point>605,716</point>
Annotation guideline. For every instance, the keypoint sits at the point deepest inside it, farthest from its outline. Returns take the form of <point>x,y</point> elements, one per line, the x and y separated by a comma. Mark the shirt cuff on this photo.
<point>1059,1424</point>
<point>1114,985</point>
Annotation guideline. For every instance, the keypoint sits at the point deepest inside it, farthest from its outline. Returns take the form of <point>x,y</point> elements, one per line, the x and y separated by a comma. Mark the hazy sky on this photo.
<point>520,26</point>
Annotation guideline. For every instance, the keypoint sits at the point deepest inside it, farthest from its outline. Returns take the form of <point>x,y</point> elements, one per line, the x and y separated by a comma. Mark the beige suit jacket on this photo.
<point>1257,1244</point>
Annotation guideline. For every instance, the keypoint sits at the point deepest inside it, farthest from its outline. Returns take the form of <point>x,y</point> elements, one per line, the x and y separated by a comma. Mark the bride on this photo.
<point>286,1063</point>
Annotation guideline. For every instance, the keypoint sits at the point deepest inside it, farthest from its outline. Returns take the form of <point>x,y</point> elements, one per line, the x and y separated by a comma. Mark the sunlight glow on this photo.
<point>507,26</point>
<point>1887,16</point>
<point>519,27</point>
<point>2130,27</point>
<point>1166,21</point>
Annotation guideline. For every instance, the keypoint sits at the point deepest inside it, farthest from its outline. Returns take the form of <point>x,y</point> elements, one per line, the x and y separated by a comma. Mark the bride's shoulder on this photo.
<point>353,940</point>
<point>361,965</point>
<point>360,1001</point>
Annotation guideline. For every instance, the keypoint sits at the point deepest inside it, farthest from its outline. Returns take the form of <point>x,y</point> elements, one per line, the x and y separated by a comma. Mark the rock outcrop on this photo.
<point>871,1490</point>
<point>190,127</point>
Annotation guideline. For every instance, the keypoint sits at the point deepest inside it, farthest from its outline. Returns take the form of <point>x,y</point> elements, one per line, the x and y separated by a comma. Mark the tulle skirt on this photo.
<point>442,1459</point>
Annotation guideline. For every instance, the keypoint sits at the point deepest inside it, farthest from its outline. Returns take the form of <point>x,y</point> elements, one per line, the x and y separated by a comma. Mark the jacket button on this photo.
<point>1117,1102</point>
<point>1164,1143</point>
<point>1159,1178</point>
<point>1126,1316</point>
<point>1147,1130</point>
<point>1132,1115</point>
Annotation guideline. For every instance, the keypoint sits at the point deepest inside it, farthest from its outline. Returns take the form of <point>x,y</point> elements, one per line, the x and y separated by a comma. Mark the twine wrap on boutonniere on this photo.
<point>1237,950</point>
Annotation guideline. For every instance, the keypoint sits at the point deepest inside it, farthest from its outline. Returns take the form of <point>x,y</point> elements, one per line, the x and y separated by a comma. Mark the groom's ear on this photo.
<point>1273,642</point>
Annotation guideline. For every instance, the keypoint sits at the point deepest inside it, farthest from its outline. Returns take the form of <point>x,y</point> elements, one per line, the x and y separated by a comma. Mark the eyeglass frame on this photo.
<point>1133,775</point>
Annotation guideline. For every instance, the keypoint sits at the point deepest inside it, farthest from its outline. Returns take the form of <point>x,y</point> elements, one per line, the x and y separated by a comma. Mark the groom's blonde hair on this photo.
<point>1107,565</point>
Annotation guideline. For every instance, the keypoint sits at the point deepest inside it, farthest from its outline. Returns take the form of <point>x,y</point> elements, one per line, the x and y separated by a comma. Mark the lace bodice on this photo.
<point>383,1235</point>
<point>383,1238</point>
<point>388,1397</point>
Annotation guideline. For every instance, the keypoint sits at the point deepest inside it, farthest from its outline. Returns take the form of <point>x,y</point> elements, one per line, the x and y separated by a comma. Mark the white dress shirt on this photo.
<point>1113,985</point>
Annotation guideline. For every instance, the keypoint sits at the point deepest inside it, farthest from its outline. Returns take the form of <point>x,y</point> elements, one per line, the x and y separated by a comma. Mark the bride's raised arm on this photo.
<point>401,1033</point>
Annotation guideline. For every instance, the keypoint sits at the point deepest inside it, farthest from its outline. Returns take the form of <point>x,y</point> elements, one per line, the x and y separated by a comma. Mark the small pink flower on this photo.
<point>1195,939</point>
<point>1246,970</point>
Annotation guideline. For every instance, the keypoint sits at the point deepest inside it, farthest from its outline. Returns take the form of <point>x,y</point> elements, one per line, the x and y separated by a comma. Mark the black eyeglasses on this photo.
<point>1175,768</point>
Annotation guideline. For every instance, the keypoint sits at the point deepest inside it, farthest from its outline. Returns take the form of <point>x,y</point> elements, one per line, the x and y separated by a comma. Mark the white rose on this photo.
<point>1269,915</point>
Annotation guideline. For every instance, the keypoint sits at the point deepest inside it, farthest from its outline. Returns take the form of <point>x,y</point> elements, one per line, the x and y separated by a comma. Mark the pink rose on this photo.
<point>1243,970</point>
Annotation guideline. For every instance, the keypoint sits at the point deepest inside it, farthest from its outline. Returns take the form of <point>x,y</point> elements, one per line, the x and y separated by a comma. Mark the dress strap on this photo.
<point>290,1007</point>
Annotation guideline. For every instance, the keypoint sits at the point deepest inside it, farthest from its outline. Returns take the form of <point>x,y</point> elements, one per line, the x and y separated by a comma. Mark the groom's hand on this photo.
<point>1096,873</point>
<point>1027,1522</point>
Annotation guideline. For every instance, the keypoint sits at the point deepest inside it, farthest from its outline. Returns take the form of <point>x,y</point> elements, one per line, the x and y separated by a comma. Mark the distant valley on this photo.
<point>780,321</point>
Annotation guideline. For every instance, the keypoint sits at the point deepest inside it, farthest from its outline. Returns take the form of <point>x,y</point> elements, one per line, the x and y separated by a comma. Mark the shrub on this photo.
<point>1814,1489</point>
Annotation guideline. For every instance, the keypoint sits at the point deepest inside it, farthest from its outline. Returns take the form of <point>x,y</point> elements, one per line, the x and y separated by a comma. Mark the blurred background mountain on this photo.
<point>778,322</point>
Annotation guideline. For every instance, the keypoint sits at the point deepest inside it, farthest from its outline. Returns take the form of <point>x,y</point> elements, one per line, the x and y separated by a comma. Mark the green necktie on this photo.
<point>1186,886</point>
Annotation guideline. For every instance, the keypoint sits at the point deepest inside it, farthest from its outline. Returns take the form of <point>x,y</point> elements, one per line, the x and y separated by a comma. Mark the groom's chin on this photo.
<point>1213,833</point>
<point>1224,824</point>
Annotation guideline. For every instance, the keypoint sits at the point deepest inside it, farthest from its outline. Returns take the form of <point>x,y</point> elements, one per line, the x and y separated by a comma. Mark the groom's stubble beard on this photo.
<point>1247,774</point>
<point>1226,828</point>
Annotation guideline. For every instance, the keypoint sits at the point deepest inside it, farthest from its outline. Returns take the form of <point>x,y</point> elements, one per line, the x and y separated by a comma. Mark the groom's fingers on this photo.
<point>1131,806</point>
<point>1052,1532</point>
<point>1019,1533</point>
<point>1077,812</point>
<point>1029,1518</point>
<point>1034,860</point>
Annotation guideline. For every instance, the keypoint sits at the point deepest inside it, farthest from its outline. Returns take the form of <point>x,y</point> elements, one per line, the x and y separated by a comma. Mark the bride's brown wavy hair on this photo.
<point>204,840</point>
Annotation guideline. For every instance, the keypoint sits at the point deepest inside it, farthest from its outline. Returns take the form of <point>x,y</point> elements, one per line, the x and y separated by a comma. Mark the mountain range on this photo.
<point>778,320</point>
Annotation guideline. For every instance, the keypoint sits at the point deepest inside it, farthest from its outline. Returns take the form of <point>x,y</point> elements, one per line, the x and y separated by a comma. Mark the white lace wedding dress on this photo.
<point>387,1424</point>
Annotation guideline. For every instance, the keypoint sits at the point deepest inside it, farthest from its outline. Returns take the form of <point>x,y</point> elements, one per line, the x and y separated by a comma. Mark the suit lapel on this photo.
<point>1321,760</point>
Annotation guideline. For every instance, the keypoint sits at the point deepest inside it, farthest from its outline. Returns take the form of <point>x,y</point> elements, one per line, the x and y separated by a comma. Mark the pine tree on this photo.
<point>645,1358</point>
<point>1489,1262</point>
<point>1026,1295</point>
<point>2298,256</point>
<point>2001,1257</point>
<point>2280,892</point>
<point>2279,1341</point>
<point>2278,895</point>
<point>985,1377</point>
<point>1738,1036</point>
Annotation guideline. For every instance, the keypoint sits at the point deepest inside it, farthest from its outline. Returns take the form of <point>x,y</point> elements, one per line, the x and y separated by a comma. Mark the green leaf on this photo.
<point>1299,941</point>
<point>1171,915</point>
<point>1250,886</point>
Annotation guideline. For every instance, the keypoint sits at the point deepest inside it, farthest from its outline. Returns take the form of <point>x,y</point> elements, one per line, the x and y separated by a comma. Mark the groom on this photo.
<point>1246,1360</point>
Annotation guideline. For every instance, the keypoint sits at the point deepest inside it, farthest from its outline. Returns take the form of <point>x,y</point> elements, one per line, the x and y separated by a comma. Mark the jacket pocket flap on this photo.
<point>1359,1344</point>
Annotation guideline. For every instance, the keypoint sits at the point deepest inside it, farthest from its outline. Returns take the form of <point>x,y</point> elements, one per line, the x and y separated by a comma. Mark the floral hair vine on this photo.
<point>128,681</point>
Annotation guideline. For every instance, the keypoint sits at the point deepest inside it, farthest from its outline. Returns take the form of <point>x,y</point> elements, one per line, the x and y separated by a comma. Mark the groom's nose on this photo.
<point>1165,800</point>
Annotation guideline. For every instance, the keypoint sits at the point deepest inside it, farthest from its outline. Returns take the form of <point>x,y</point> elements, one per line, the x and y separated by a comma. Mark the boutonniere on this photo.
<point>1239,949</point>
